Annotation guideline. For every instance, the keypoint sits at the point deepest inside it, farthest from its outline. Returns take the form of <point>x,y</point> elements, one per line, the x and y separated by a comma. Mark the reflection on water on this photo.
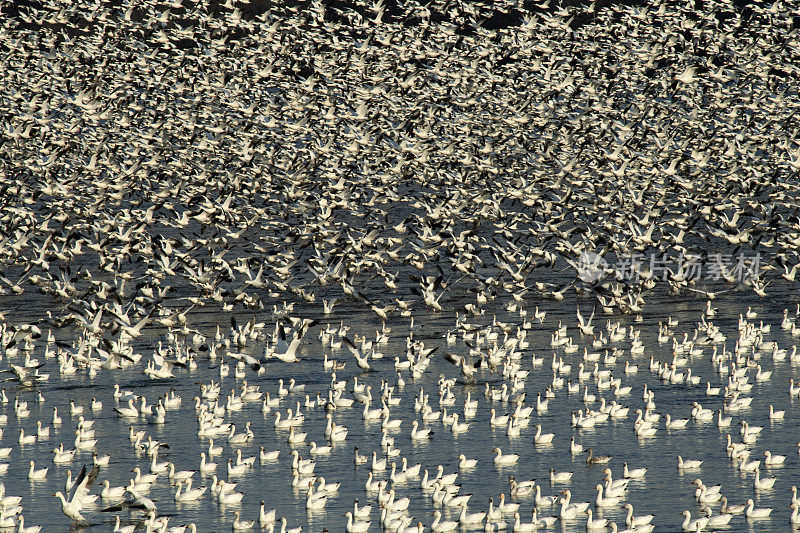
<point>664,491</point>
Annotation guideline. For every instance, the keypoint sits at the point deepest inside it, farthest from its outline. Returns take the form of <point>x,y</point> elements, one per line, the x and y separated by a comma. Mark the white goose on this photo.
<point>543,501</point>
<point>508,459</point>
<point>560,477</point>
<point>543,521</point>
<point>635,473</point>
<point>470,519</point>
<point>36,475</point>
<point>595,523</point>
<point>419,434</point>
<point>571,510</point>
<point>605,501</point>
<point>636,521</point>
<point>688,464</point>
<point>206,467</point>
<point>719,520</point>
<point>440,526</point>
<point>540,438</point>
<point>241,525</point>
<point>111,493</point>
<point>752,512</point>
<point>354,525</point>
<point>773,460</point>
<point>523,527</point>
<point>763,483</point>
<point>190,494</point>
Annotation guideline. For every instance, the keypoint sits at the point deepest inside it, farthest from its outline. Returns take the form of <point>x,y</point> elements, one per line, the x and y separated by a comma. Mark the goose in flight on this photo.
<point>72,504</point>
<point>586,326</point>
<point>26,376</point>
<point>467,368</point>
<point>362,359</point>
<point>427,290</point>
<point>288,352</point>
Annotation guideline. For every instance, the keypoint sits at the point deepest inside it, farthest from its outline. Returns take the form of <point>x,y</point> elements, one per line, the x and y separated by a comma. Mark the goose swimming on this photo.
<point>184,183</point>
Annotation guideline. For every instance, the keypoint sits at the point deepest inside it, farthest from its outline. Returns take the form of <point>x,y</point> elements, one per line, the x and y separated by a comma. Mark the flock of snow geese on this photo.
<point>199,197</point>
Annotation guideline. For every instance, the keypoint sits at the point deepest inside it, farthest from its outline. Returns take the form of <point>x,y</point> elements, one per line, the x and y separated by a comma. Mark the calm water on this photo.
<point>663,492</point>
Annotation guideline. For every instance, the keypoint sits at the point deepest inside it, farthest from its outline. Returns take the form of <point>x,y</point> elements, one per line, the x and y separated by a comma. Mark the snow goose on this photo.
<point>465,464</point>
<point>695,525</point>
<point>636,521</point>
<point>540,438</point>
<point>508,459</point>
<point>378,465</point>
<point>471,519</point>
<point>143,479</point>
<point>572,508</point>
<point>440,526</point>
<point>732,509</point>
<point>520,489</point>
<point>605,501</point>
<point>575,448</point>
<point>36,475</point>
<point>227,497</point>
<point>361,512</point>
<point>773,460</point>
<point>678,423</point>
<point>507,508</point>
<point>458,427</point>
<point>327,488</point>
<point>241,525</point>
<point>716,521</point>
<point>795,516</point>
<point>206,467</point>
<point>633,473</point>
<point>523,527</point>
<point>760,483</point>
<point>111,493</point>
<point>776,415</point>
<point>543,501</point>
<point>266,456</point>
<point>319,450</point>
<point>543,521</point>
<point>411,471</point>
<point>295,437</point>
<point>123,529</point>
<point>190,494</point>
<point>180,475</point>
<point>71,510</point>
<point>595,523</point>
<point>292,530</point>
<point>753,512</point>
<point>234,469</point>
<point>560,477</point>
<point>419,434</point>
<point>688,464</point>
<point>354,525</point>
<point>265,518</point>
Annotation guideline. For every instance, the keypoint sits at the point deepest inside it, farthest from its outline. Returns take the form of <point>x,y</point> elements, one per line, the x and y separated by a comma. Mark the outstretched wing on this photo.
<point>76,484</point>
<point>453,358</point>
<point>83,484</point>
<point>353,347</point>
